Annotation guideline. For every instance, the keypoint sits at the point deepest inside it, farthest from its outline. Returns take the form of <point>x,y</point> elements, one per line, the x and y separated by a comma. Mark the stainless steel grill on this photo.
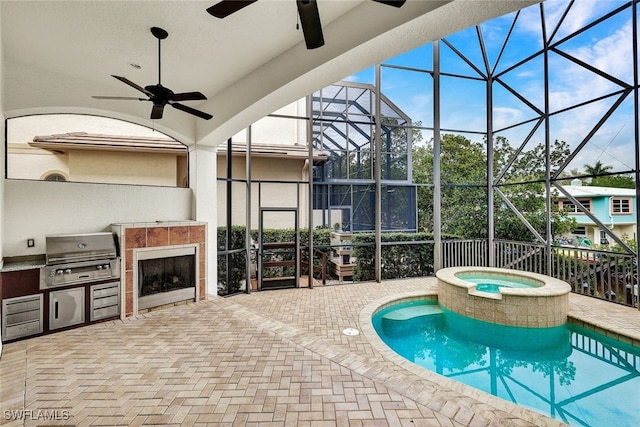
<point>65,248</point>
<point>79,258</point>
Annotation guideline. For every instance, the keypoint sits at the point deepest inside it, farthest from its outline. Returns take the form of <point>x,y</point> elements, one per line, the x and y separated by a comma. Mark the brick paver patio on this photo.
<point>270,358</point>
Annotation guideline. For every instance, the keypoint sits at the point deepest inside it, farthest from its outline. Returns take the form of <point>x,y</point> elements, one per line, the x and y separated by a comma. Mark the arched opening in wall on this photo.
<point>92,149</point>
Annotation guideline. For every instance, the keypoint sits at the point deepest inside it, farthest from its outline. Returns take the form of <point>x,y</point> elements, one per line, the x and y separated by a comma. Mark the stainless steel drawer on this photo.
<point>32,303</point>
<point>23,330</point>
<point>22,316</point>
<point>25,316</point>
<point>103,313</point>
<point>104,301</point>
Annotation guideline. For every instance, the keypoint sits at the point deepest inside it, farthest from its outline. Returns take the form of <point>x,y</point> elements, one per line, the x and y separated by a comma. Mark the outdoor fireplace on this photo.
<point>166,276</point>
<point>161,241</point>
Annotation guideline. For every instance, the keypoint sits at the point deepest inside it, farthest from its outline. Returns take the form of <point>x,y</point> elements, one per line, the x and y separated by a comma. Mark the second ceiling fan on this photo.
<point>307,10</point>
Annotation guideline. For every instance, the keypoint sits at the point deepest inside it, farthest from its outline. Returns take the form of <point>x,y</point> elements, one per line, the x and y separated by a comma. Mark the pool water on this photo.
<point>567,372</point>
<point>493,283</point>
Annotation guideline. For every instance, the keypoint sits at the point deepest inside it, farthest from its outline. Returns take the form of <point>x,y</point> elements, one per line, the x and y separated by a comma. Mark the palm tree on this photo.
<point>600,177</point>
<point>597,169</point>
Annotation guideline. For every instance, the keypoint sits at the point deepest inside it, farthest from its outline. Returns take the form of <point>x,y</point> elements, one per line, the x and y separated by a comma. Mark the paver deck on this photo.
<point>270,358</point>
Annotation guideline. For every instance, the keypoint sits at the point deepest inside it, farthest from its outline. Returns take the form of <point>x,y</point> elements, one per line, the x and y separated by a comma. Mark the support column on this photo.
<point>491,235</point>
<point>377,138</point>
<point>547,150</point>
<point>309,129</point>
<point>202,180</point>
<point>437,191</point>
<point>636,115</point>
<point>248,206</point>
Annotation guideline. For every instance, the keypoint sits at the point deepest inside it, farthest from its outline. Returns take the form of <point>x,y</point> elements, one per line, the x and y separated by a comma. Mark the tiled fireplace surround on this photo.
<point>134,237</point>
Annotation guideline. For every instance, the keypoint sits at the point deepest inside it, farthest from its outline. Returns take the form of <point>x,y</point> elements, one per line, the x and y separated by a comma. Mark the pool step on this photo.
<point>413,311</point>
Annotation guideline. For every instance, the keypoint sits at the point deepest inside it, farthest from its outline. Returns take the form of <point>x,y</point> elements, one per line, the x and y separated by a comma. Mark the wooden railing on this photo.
<point>281,257</point>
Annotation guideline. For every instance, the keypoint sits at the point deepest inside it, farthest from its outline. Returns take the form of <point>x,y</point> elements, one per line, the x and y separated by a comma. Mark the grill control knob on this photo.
<point>59,272</point>
<point>99,267</point>
<point>67,271</point>
<point>106,266</point>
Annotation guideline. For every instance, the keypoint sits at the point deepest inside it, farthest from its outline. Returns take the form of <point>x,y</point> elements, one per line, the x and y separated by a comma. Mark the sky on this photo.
<point>606,46</point>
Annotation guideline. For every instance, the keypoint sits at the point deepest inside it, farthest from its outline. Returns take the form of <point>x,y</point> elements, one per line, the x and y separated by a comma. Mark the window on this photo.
<point>604,239</point>
<point>566,205</point>
<point>580,231</point>
<point>58,177</point>
<point>620,205</point>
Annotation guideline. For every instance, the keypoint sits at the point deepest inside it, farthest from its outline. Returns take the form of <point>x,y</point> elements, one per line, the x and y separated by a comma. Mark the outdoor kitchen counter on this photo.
<point>21,263</point>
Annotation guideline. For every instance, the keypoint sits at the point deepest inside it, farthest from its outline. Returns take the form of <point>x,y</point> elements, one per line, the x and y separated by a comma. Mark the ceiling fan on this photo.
<point>160,95</point>
<point>307,10</point>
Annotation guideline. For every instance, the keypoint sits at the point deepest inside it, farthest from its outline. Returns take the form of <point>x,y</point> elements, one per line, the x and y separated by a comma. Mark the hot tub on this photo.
<point>505,297</point>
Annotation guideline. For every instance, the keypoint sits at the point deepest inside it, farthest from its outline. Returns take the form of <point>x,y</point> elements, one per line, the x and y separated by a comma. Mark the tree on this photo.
<point>526,191</point>
<point>463,181</point>
<point>597,169</point>
<point>600,177</point>
<point>464,188</point>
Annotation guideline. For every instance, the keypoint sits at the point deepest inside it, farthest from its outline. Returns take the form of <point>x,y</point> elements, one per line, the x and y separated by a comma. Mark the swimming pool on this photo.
<point>566,372</point>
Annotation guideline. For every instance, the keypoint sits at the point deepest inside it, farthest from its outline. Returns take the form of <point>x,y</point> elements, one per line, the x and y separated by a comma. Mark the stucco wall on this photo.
<point>267,194</point>
<point>278,130</point>
<point>116,167</point>
<point>24,162</point>
<point>119,168</point>
<point>34,209</point>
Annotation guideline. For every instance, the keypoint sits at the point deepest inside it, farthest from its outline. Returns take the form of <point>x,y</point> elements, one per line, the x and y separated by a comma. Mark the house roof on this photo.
<point>298,152</point>
<point>589,191</point>
<point>62,143</point>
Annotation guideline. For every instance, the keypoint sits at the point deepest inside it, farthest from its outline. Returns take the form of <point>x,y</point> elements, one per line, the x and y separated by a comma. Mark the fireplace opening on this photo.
<point>165,274</point>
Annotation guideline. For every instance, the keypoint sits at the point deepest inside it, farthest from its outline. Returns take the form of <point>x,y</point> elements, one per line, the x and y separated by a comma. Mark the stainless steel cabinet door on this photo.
<point>66,308</point>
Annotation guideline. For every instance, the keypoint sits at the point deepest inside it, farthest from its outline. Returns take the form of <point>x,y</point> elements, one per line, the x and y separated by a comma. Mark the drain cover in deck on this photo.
<point>351,332</point>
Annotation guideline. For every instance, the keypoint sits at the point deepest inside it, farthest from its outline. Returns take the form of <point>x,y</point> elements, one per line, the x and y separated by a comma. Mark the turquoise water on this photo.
<point>493,282</point>
<point>578,376</point>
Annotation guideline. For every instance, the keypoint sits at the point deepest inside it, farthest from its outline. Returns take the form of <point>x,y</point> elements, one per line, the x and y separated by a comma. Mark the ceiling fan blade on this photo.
<point>125,98</point>
<point>133,85</point>
<point>310,21</point>
<point>193,111</point>
<point>227,7</point>
<point>188,96</point>
<point>394,3</point>
<point>156,111</point>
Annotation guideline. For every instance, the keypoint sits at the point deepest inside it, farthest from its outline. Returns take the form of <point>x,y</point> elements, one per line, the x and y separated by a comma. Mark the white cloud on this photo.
<point>505,116</point>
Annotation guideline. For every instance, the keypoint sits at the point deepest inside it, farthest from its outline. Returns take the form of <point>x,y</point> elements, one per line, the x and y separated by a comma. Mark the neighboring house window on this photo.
<point>604,239</point>
<point>580,231</point>
<point>55,177</point>
<point>620,205</point>
<point>566,205</point>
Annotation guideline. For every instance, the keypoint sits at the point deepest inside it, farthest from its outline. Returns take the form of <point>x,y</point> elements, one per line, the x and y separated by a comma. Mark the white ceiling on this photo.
<point>57,54</point>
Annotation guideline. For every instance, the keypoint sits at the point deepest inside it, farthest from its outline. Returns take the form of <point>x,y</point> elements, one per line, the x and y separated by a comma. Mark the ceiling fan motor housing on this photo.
<point>160,93</point>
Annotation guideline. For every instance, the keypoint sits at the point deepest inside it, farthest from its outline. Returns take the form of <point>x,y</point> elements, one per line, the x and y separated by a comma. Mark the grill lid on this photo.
<point>64,248</point>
